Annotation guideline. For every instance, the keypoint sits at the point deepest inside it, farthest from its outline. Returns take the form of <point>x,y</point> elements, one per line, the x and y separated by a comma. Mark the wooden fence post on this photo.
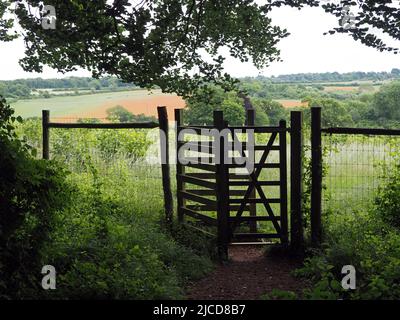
<point>165,166</point>
<point>296,185</point>
<point>250,121</point>
<point>180,169</point>
<point>46,134</point>
<point>222,189</point>
<point>316,176</point>
<point>283,182</point>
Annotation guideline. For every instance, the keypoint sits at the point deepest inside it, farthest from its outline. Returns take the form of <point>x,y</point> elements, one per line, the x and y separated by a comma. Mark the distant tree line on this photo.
<point>333,77</point>
<point>263,87</point>
<point>22,88</point>
<point>373,109</point>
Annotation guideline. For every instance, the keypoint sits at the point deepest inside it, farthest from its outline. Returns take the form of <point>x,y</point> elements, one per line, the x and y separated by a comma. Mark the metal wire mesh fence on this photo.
<point>356,166</point>
<point>125,155</point>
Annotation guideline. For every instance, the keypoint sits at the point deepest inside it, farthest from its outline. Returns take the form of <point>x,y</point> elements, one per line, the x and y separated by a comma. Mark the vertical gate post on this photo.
<point>222,188</point>
<point>283,182</point>
<point>296,185</point>
<point>316,176</point>
<point>46,134</point>
<point>180,169</point>
<point>165,166</point>
<point>250,121</point>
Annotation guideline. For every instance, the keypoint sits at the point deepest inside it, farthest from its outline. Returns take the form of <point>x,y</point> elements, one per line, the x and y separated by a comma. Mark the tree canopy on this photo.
<point>386,104</point>
<point>200,107</point>
<point>334,113</point>
<point>174,44</point>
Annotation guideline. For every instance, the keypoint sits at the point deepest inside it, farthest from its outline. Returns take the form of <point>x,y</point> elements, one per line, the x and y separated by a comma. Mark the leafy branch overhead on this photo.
<point>173,44</point>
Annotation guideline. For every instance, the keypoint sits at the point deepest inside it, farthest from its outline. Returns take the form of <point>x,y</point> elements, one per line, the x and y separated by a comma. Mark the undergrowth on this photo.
<point>107,238</point>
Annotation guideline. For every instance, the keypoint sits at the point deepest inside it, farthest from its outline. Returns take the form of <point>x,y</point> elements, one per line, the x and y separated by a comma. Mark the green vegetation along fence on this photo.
<point>356,164</point>
<point>348,166</point>
<point>124,152</point>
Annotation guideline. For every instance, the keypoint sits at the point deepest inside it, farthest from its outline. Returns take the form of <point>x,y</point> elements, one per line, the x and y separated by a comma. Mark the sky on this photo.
<point>306,49</point>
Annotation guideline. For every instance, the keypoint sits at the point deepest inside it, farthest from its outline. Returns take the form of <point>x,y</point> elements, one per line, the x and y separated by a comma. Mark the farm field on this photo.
<point>344,88</point>
<point>95,105</point>
<point>292,103</point>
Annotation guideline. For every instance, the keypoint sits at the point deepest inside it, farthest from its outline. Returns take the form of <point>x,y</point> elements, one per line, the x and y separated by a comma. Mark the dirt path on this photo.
<point>247,276</point>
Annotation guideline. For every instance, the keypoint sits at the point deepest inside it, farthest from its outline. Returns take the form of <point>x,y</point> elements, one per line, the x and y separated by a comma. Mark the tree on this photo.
<point>358,110</point>
<point>334,113</point>
<point>386,103</point>
<point>233,111</point>
<point>273,109</point>
<point>119,113</point>
<point>395,72</point>
<point>95,84</point>
<point>158,42</point>
<point>200,107</point>
<point>262,118</point>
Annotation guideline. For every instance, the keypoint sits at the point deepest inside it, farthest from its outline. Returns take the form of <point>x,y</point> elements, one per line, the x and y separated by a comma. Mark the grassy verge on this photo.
<point>110,243</point>
<point>109,240</point>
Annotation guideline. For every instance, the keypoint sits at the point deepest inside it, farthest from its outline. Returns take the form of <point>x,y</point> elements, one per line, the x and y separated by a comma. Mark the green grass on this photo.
<point>70,105</point>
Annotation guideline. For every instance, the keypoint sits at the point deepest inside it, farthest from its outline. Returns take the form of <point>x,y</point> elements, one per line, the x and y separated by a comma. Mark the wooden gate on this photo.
<point>245,206</point>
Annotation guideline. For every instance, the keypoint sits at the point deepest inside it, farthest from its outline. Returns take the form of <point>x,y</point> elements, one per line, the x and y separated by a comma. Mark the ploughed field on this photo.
<point>96,105</point>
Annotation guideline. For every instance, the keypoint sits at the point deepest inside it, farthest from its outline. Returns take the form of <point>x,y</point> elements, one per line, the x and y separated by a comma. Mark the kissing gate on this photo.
<point>217,189</point>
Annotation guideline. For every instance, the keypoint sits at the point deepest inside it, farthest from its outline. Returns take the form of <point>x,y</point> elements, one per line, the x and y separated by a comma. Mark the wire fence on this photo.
<point>125,155</point>
<point>357,166</point>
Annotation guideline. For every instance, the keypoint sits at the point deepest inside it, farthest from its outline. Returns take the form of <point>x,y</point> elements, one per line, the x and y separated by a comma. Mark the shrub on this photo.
<point>387,201</point>
<point>108,243</point>
<point>367,243</point>
<point>110,246</point>
<point>120,114</point>
<point>31,191</point>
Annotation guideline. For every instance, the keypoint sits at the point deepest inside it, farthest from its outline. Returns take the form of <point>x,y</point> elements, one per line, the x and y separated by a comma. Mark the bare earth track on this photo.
<point>247,276</point>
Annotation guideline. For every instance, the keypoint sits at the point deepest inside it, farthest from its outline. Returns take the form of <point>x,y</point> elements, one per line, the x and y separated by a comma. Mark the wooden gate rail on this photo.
<point>187,182</point>
<point>256,186</point>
